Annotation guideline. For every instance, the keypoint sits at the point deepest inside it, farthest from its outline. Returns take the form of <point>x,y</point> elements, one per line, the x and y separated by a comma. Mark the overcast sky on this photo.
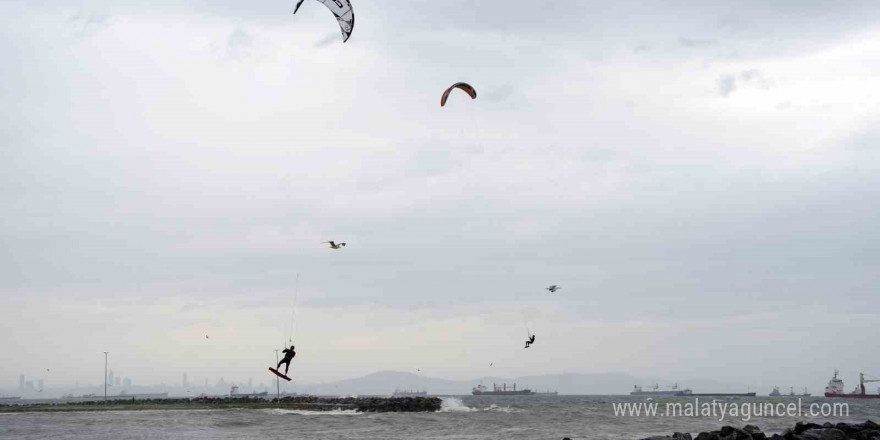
<point>700,177</point>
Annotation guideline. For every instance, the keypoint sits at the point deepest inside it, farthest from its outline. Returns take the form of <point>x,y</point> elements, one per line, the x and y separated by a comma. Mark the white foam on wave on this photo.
<point>504,409</point>
<point>304,412</point>
<point>454,404</point>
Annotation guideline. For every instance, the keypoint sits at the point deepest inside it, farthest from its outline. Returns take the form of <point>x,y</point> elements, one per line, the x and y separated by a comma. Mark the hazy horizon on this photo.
<point>700,178</point>
<point>384,382</point>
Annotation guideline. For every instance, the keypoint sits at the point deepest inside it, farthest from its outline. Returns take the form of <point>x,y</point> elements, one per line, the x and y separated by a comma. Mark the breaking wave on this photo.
<point>454,404</point>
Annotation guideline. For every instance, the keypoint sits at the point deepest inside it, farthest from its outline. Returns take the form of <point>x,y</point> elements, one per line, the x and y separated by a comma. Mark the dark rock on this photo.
<point>824,434</point>
<point>755,432</point>
<point>682,436</point>
<point>868,435</point>
<point>726,433</point>
<point>800,427</point>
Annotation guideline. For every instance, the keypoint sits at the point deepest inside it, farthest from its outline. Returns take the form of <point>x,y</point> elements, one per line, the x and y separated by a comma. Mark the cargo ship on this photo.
<point>502,390</point>
<point>835,388</point>
<point>656,391</point>
<point>234,393</point>
<point>408,393</point>
<point>753,394</point>
<point>792,394</point>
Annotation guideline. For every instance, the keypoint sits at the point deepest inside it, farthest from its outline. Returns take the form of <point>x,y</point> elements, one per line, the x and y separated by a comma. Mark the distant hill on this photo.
<point>385,382</point>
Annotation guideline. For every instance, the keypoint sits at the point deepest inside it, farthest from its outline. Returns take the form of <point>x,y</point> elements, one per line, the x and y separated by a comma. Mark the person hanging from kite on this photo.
<point>530,341</point>
<point>289,354</point>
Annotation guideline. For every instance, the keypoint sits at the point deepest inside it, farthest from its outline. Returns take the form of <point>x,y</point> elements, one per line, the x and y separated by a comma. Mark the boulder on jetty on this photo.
<point>801,431</point>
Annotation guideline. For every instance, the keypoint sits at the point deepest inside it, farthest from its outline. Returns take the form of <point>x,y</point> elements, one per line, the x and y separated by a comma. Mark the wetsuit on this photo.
<point>288,356</point>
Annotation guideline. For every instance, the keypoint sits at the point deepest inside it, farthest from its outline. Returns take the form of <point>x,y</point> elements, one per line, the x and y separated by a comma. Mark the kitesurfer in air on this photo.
<point>530,341</point>
<point>288,356</point>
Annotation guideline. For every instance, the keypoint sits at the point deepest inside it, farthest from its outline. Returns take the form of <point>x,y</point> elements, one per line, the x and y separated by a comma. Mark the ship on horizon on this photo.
<point>234,393</point>
<point>409,393</point>
<point>792,394</point>
<point>502,390</point>
<point>835,388</point>
<point>656,391</point>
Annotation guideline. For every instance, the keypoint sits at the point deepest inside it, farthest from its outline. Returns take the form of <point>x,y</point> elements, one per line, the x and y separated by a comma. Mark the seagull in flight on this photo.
<point>334,245</point>
<point>553,288</point>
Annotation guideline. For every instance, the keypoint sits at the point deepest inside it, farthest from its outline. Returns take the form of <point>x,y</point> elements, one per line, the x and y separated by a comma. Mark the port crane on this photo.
<point>862,381</point>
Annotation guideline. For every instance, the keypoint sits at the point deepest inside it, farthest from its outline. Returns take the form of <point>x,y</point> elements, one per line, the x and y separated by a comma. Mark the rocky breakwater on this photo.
<point>801,431</point>
<point>308,403</point>
<point>363,404</point>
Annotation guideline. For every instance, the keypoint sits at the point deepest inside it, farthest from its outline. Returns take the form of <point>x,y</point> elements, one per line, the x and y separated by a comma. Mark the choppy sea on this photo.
<point>464,417</point>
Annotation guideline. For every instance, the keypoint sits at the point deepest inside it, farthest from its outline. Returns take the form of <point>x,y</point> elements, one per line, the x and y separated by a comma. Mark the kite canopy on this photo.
<point>463,86</point>
<point>343,12</point>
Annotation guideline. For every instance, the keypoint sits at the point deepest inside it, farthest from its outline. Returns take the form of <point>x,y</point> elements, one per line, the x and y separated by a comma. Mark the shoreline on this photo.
<point>359,404</point>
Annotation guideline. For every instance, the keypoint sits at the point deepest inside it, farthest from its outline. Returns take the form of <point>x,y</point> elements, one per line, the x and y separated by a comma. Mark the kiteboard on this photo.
<point>279,374</point>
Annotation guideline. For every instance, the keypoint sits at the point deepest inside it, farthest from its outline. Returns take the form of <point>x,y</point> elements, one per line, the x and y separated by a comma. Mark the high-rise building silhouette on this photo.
<point>40,384</point>
<point>127,382</point>
<point>110,378</point>
<point>185,382</point>
<point>118,381</point>
<point>21,382</point>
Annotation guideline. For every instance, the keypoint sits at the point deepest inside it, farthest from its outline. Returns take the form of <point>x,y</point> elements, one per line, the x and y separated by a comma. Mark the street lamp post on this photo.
<point>277,379</point>
<point>105,376</point>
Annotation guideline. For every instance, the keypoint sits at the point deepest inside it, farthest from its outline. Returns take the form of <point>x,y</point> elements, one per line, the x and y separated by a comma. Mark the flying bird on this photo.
<point>553,288</point>
<point>333,245</point>
<point>206,337</point>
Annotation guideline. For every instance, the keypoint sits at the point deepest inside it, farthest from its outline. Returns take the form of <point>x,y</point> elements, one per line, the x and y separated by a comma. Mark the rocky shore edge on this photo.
<point>309,403</point>
<point>801,431</point>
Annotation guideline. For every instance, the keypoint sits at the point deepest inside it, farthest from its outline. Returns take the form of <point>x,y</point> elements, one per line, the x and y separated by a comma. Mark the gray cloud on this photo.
<point>329,39</point>
<point>747,78</point>
<point>694,42</point>
<point>500,93</point>
<point>727,85</point>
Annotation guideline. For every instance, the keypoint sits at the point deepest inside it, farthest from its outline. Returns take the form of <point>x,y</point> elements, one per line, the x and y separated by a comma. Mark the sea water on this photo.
<point>463,417</point>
